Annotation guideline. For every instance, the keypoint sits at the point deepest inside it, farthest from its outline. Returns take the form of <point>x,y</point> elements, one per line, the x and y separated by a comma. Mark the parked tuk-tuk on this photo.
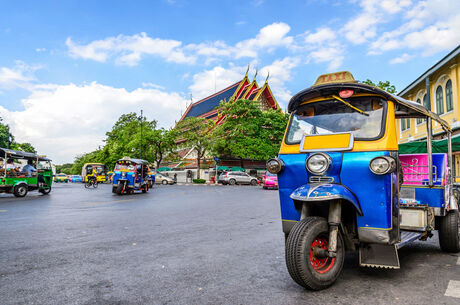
<point>344,186</point>
<point>101,172</point>
<point>14,178</point>
<point>130,175</point>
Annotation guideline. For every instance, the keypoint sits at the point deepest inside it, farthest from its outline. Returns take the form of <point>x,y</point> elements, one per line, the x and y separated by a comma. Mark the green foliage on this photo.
<point>66,169</point>
<point>248,132</point>
<point>161,142</point>
<point>195,133</point>
<point>382,85</point>
<point>27,147</point>
<point>4,134</point>
<point>199,181</point>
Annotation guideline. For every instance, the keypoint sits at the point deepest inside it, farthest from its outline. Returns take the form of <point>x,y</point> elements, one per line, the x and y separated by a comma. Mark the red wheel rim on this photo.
<point>320,264</point>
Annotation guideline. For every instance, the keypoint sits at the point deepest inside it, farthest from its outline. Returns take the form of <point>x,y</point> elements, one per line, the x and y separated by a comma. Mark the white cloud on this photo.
<point>401,59</point>
<point>431,26</point>
<point>210,81</point>
<point>321,35</point>
<point>363,27</point>
<point>19,76</point>
<point>63,121</point>
<point>324,47</point>
<point>280,73</point>
<point>268,38</point>
<point>128,50</point>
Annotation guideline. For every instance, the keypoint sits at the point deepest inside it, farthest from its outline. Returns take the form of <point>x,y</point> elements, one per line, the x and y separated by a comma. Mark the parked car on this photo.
<point>61,178</point>
<point>160,179</point>
<point>233,178</point>
<point>270,181</point>
<point>75,178</point>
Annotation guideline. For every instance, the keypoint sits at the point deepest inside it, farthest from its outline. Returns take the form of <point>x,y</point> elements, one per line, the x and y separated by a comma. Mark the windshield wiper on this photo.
<point>350,105</point>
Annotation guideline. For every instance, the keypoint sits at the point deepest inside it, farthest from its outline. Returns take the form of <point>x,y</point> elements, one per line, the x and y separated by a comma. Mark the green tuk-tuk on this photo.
<point>21,172</point>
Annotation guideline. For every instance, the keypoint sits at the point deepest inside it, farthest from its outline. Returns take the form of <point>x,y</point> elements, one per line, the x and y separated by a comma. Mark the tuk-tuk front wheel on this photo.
<point>449,232</point>
<point>120,188</point>
<point>20,190</point>
<point>306,254</point>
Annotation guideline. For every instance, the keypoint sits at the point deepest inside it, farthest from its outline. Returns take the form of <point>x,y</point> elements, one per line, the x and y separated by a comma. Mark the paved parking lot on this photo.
<point>184,245</point>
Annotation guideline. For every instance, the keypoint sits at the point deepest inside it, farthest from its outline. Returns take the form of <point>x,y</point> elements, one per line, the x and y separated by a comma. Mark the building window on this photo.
<point>425,102</point>
<point>449,102</point>
<point>439,101</point>
<point>405,124</point>
<point>419,120</point>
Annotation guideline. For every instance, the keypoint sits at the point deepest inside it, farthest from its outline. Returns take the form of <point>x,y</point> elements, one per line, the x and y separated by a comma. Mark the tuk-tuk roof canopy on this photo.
<point>136,161</point>
<point>405,109</point>
<point>17,154</point>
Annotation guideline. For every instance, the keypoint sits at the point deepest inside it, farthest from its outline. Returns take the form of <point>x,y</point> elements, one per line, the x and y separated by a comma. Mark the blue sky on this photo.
<point>68,69</point>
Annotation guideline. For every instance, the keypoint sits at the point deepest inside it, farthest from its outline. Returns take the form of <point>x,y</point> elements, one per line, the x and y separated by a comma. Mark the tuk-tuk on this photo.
<point>100,168</point>
<point>18,179</point>
<point>130,175</point>
<point>344,186</point>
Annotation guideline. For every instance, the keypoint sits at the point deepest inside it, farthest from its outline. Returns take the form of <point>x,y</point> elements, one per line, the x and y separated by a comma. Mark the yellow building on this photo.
<point>438,89</point>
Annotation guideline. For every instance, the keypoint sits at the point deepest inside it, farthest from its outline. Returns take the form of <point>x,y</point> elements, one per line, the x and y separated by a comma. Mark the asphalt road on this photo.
<point>184,245</point>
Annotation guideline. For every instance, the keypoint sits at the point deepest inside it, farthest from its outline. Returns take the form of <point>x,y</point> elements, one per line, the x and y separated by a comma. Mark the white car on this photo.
<point>160,179</point>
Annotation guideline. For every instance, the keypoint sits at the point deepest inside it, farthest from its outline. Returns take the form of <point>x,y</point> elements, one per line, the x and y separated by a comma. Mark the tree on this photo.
<point>248,132</point>
<point>5,134</point>
<point>382,85</point>
<point>161,143</point>
<point>27,147</point>
<point>194,133</point>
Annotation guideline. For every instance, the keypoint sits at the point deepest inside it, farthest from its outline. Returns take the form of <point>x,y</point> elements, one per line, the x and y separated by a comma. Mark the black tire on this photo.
<point>45,191</point>
<point>114,189</point>
<point>232,181</point>
<point>164,182</point>
<point>264,187</point>
<point>120,189</point>
<point>88,184</point>
<point>449,232</point>
<point>300,259</point>
<point>254,182</point>
<point>95,184</point>
<point>20,190</point>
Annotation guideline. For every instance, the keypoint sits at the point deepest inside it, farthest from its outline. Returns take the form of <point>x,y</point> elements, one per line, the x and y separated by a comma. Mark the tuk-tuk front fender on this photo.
<point>323,192</point>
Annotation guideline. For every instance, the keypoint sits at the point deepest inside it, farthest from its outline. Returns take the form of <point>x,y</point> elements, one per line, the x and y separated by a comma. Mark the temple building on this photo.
<point>243,89</point>
<point>208,108</point>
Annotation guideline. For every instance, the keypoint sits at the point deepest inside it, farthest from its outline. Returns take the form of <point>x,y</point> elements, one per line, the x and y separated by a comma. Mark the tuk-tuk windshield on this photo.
<point>332,116</point>
<point>123,165</point>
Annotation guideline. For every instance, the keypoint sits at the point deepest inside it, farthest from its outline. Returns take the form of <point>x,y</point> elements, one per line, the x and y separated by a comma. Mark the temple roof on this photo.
<point>243,89</point>
<point>211,102</point>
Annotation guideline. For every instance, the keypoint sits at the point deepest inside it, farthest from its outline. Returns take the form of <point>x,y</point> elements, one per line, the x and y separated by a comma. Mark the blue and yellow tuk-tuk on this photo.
<point>130,175</point>
<point>344,186</point>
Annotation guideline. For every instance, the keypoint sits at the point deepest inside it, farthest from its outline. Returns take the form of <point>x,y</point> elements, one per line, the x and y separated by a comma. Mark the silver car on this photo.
<point>233,178</point>
<point>160,179</point>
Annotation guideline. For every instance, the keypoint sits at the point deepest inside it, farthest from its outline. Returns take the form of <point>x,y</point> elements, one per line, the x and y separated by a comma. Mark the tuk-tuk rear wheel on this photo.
<point>306,261</point>
<point>449,232</point>
<point>20,190</point>
<point>45,191</point>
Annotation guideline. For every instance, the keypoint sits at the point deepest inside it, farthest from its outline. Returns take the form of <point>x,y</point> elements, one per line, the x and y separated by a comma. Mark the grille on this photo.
<point>321,179</point>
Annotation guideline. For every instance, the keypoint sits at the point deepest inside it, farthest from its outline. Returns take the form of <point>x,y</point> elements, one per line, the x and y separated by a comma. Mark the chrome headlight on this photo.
<point>382,165</point>
<point>318,163</point>
<point>275,165</point>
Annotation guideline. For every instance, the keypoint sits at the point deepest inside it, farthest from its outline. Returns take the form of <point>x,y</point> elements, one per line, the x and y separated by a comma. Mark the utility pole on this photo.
<point>142,119</point>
